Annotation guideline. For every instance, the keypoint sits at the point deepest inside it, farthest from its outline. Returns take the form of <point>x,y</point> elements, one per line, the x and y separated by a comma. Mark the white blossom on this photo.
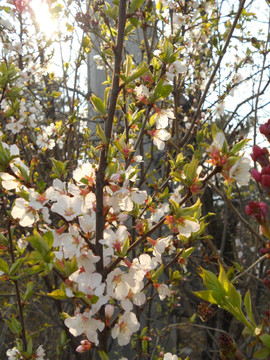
<point>240,171</point>
<point>127,324</point>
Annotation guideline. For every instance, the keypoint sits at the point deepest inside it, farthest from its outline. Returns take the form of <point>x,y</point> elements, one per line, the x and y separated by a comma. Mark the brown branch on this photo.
<point>100,221</point>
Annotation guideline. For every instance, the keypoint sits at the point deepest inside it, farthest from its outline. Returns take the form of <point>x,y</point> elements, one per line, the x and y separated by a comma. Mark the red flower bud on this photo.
<point>258,210</point>
<point>256,175</point>
<point>260,155</point>
<point>265,130</point>
<point>265,181</point>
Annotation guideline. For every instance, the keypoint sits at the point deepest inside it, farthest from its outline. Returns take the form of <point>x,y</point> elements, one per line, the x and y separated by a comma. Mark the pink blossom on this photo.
<point>258,210</point>
<point>260,155</point>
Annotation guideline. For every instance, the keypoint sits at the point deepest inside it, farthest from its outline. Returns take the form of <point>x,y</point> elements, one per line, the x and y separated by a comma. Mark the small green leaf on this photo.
<point>210,281</point>
<point>14,325</point>
<point>98,105</point>
<point>262,354</point>
<point>248,307</point>
<point>103,355</point>
<point>165,91</point>
<point>135,5</point>
<point>223,279</point>
<point>238,146</point>
<point>234,297</point>
<point>265,339</point>
<point>144,332</point>
<point>29,292</point>
<point>190,170</point>
<point>191,210</point>
<point>39,243</point>
<point>158,272</point>
<point>137,73</point>
<point>207,295</point>
<point>125,247</point>
<point>30,346</point>
<point>58,294</point>
<point>4,266</point>
<point>101,133</point>
<point>187,252</point>
<point>15,267</point>
<point>48,237</point>
<point>175,206</point>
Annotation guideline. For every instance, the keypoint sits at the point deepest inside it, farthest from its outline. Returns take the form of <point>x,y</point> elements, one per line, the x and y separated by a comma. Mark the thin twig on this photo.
<point>185,139</point>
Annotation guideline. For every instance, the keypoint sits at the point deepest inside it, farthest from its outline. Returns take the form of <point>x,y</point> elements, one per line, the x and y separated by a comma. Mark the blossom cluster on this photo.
<point>261,174</point>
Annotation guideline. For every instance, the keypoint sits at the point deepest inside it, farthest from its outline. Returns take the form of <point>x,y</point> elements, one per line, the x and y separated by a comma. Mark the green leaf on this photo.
<point>103,355</point>
<point>15,267</point>
<point>98,105</point>
<point>167,50</point>
<point>58,294</point>
<point>4,240</point>
<point>144,332</point>
<point>144,346</point>
<point>190,170</point>
<point>265,339</point>
<point>86,42</point>
<point>101,133</point>
<point>207,295</point>
<point>158,272</point>
<point>262,354</point>
<point>248,307</point>
<point>223,279</point>
<point>48,237</point>
<point>134,21</point>
<point>125,247</point>
<point>161,91</point>
<point>49,257</point>
<point>135,5</point>
<point>128,65</point>
<point>157,90</point>
<point>39,244</point>
<point>235,297</point>
<point>4,266</point>
<point>14,325</point>
<point>34,257</point>
<point>191,210</point>
<point>30,346</point>
<point>59,169</point>
<point>215,130</point>
<point>238,146</point>
<point>187,252</point>
<point>210,281</point>
<point>137,73</point>
<point>29,292</point>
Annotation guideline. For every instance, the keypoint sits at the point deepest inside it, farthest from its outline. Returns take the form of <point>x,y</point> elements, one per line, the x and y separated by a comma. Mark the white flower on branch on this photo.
<point>85,324</point>
<point>240,171</point>
<point>127,325</point>
<point>68,207</point>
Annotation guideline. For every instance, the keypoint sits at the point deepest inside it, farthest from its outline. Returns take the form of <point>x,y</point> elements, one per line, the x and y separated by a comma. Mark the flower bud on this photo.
<point>85,346</point>
<point>265,130</point>
<point>257,176</point>
<point>260,155</point>
<point>258,210</point>
<point>109,310</point>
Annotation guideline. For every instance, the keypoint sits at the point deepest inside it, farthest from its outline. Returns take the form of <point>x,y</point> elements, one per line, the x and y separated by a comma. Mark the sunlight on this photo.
<point>47,25</point>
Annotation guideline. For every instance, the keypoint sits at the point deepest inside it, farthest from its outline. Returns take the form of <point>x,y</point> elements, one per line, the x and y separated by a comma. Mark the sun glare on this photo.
<point>47,25</point>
